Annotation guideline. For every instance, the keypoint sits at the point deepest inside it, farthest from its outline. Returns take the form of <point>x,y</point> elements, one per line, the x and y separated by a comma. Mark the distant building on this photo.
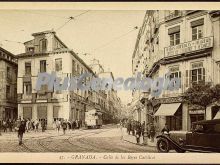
<point>8,85</point>
<point>185,43</point>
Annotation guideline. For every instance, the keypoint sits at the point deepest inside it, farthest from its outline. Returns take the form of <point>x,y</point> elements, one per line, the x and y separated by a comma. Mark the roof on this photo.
<point>7,52</point>
<point>43,32</point>
<point>29,54</point>
<point>208,122</point>
<point>13,58</point>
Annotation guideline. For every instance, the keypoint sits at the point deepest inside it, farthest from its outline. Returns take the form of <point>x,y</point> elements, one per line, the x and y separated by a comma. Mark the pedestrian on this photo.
<point>138,132</point>
<point>121,125</point>
<point>4,125</point>
<point>58,124</point>
<point>152,132</point>
<point>21,131</point>
<point>69,125</point>
<point>27,124</point>
<point>36,124</point>
<point>77,124</point>
<point>10,125</point>
<point>43,125</point>
<point>64,126</point>
<point>165,129</point>
<point>132,128</point>
<point>143,129</point>
<point>32,125</point>
<point>73,125</point>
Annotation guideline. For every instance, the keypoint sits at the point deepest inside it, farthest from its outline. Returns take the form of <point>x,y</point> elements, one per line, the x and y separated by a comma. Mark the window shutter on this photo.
<point>175,29</point>
<point>197,22</point>
<point>187,78</point>
<point>190,77</point>
<point>27,113</point>
<point>180,78</point>
<point>56,110</point>
<point>203,74</point>
<point>42,112</point>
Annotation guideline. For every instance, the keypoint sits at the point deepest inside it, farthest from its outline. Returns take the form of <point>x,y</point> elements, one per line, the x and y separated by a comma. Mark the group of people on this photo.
<point>11,125</point>
<point>64,124</point>
<point>26,125</point>
<point>139,129</point>
<point>7,125</point>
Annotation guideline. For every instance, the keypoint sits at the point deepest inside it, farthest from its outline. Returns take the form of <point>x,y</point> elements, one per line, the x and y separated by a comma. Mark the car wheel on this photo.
<point>163,145</point>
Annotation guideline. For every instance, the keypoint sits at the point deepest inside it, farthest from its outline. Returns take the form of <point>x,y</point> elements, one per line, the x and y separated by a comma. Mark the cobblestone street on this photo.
<point>107,139</point>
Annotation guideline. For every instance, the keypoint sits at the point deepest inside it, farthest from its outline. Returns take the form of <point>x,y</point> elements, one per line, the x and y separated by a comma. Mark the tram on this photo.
<point>93,118</point>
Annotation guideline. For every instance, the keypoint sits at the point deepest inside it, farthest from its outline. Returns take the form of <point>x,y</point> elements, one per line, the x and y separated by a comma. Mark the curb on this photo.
<point>147,145</point>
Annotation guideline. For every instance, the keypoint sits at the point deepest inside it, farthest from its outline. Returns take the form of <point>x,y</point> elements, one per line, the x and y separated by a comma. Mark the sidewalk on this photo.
<point>132,139</point>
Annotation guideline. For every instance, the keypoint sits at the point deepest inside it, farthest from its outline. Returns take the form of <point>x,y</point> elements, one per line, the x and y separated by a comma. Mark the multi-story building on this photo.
<point>47,53</point>
<point>8,85</point>
<point>186,44</point>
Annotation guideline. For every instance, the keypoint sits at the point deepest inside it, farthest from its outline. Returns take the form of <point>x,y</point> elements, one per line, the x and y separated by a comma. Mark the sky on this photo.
<point>108,36</point>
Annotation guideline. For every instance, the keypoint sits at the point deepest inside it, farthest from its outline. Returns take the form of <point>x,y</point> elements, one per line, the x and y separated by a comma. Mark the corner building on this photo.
<point>186,44</point>
<point>47,53</point>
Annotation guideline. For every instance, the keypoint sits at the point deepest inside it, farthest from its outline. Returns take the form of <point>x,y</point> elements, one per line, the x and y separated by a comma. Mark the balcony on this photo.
<point>26,97</point>
<point>173,15</point>
<point>187,47</point>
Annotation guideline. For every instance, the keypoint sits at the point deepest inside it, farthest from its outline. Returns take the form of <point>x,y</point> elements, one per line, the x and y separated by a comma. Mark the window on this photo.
<point>73,67</point>
<point>43,45</point>
<point>175,73</point>
<point>9,72</point>
<point>28,88</point>
<point>174,39</point>
<point>174,34</point>
<point>197,32</point>
<point>30,49</point>
<point>8,92</point>
<point>58,64</point>
<point>197,28</point>
<point>197,73</point>
<point>78,69</point>
<point>43,65</point>
<point>27,68</point>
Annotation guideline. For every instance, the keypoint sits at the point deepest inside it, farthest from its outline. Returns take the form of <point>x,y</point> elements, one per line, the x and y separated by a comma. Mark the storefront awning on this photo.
<point>217,116</point>
<point>167,109</point>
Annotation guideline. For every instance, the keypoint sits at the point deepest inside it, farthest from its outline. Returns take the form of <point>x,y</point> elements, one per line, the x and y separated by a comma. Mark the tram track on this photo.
<point>44,148</point>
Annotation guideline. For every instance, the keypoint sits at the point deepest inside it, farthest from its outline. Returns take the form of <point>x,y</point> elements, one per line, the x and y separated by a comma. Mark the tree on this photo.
<point>216,92</point>
<point>201,94</point>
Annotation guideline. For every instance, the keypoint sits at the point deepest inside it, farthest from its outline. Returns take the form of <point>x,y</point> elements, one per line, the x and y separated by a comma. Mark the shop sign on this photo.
<point>191,46</point>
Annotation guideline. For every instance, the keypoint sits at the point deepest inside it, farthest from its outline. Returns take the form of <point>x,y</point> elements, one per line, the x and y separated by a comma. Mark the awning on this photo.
<point>217,116</point>
<point>167,109</point>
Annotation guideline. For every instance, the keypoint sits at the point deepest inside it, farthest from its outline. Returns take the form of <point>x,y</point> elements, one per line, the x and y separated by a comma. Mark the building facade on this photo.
<point>186,45</point>
<point>47,53</point>
<point>112,104</point>
<point>8,85</point>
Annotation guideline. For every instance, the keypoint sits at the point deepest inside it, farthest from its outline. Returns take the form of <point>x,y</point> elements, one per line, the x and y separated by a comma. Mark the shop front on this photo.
<point>170,114</point>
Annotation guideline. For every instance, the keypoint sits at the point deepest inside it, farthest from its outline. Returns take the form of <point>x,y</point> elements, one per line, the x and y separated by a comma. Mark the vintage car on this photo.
<point>204,137</point>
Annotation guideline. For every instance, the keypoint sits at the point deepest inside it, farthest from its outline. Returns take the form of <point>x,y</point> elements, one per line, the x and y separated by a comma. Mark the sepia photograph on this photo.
<point>127,84</point>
